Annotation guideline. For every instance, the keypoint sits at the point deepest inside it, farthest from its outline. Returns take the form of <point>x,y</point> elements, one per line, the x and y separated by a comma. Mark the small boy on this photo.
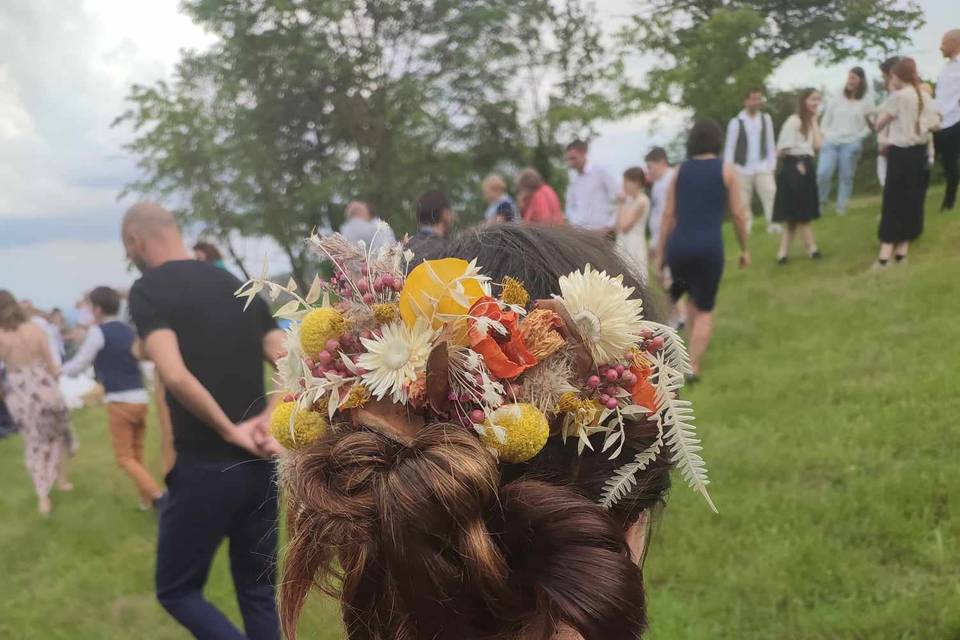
<point>108,346</point>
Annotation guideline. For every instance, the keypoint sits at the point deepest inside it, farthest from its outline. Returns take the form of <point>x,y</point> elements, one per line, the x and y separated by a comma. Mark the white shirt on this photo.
<point>904,106</point>
<point>83,359</point>
<point>845,120</point>
<point>751,127</point>
<point>591,198</point>
<point>793,141</point>
<point>356,230</point>
<point>658,202</point>
<point>948,92</point>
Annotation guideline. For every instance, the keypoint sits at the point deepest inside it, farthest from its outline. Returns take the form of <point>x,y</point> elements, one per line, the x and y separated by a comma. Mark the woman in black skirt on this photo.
<point>797,203</point>
<point>909,115</point>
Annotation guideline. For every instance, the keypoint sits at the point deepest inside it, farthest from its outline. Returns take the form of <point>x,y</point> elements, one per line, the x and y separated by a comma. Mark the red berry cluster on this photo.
<point>331,358</point>
<point>612,382</point>
<point>370,289</point>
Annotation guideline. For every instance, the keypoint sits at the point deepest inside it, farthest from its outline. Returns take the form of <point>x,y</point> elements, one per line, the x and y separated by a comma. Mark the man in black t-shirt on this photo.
<point>209,354</point>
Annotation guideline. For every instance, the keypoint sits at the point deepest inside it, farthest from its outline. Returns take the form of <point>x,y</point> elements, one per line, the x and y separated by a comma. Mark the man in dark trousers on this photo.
<point>209,354</point>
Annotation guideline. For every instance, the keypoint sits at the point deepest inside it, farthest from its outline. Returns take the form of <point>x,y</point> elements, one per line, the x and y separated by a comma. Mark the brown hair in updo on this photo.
<point>423,541</point>
<point>434,540</point>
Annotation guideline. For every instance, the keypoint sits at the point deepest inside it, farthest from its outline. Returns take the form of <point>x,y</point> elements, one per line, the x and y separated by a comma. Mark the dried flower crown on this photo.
<point>436,340</point>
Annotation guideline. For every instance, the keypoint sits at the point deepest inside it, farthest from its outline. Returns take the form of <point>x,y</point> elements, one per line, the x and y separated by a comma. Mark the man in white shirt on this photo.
<point>751,147</point>
<point>947,139</point>
<point>660,174</point>
<point>592,193</point>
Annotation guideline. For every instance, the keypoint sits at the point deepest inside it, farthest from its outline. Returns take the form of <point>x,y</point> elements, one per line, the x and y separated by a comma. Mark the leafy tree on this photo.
<point>708,52</point>
<point>303,105</point>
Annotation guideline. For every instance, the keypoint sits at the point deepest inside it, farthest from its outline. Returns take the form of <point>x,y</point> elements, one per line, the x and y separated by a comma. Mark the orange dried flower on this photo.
<point>539,330</point>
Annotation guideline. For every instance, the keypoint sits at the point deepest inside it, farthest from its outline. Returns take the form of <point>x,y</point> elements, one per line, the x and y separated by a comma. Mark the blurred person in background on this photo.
<point>751,148</point>
<point>691,241</point>
<point>109,348</point>
<point>210,355</point>
<point>660,177</point>
<point>435,219</point>
<point>845,124</point>
<point>538,201</point>
<point>500,206</point>
<point>592,193</point>
<point>208,252</point>
<point>362,226</point>
<point>632,222</point>
<point>34,400</point>
<point>886,69</point>
<point>947,139</point>
<point>798,203</point>
<point>909,115</point>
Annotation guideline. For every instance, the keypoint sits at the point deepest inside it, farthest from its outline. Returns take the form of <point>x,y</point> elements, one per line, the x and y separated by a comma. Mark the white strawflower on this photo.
<point>608,319</point>
<point>393,360</point>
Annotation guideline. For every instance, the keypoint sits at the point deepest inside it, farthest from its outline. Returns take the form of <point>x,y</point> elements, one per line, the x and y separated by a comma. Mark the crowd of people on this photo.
<point>659,224</point>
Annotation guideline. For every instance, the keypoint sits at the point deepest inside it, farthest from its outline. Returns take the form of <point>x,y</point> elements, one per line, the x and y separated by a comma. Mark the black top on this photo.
<point>221,345</point>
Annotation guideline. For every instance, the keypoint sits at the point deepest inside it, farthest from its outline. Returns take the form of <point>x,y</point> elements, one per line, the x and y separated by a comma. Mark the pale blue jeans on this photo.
<point>832,156</point>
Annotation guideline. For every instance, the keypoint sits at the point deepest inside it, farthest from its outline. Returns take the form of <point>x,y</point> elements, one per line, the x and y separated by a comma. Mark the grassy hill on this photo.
<point>829,416</point>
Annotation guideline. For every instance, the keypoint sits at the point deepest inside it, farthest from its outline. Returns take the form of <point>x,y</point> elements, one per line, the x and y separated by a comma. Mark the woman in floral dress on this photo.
<point>34,399</point>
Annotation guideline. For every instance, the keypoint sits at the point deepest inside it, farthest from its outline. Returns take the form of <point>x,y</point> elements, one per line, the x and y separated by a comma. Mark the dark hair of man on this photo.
<point>752,90</point>
<point>430,208</point>
<point>578,145</point>
<point>106,299</point>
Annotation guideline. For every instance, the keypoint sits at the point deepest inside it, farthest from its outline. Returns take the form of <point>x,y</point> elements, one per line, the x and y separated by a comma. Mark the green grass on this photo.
<point>829,417</point>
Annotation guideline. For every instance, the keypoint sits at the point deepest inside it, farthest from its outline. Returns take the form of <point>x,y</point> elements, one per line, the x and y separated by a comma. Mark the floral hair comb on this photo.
<point>436,341</point>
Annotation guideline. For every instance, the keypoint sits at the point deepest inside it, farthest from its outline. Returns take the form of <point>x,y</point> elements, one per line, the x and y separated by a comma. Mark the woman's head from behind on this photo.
<point>634,181</point>
<point>705,138</point>
<point>433,538</point>
<point>12,314</point>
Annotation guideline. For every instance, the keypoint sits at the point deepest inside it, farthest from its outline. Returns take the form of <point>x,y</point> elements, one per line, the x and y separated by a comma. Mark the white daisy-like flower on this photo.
<point>393,360</point>
<point>290,367</point>
<point>607,318</point>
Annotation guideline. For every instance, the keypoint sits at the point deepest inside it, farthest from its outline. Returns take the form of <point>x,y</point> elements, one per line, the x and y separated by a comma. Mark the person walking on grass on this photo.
<point>750,148</point>
<point>947,139</point>
<point>108,347</point>
<point>844,127</point>
<point>209,354</point>
<point>33,398</point>
<point>797,202</point>
<point>691,241</point>
<point>910,115</point>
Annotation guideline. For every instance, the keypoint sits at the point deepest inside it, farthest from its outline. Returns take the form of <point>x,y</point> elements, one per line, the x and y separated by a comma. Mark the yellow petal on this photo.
<point>431,290</point>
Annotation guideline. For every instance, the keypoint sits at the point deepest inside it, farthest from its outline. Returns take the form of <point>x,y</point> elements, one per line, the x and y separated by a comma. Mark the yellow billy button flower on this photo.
<point>385,313</point>
<point>305,428</point>
<point>523,432</point>
<point>439,288</point>
<point>514,292</point>
<point>319,326</point>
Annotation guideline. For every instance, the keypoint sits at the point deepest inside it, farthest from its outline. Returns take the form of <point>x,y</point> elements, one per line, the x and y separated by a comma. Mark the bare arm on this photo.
<point>738,210</point>
<point>629,215</point>
<point>669,220</point>
<point>162,347</point>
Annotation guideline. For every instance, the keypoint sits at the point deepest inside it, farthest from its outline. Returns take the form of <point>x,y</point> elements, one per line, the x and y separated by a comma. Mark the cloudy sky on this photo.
<point>65,66</point>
